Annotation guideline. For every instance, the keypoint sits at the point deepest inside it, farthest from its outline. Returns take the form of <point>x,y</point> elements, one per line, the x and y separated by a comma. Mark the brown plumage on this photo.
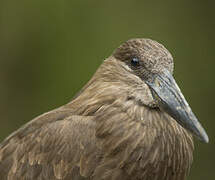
<point>116,128</point>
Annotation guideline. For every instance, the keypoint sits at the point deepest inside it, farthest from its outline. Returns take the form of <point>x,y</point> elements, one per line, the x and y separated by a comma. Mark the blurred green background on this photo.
<point>50,48</point>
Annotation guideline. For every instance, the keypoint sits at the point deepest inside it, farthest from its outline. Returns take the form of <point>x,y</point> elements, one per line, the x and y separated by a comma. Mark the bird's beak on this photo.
<point>171,100</point>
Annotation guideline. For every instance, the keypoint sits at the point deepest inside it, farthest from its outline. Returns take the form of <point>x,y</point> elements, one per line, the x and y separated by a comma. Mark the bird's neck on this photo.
<point>111,85</point>
<point>104,88</point>
<point>96,96</point>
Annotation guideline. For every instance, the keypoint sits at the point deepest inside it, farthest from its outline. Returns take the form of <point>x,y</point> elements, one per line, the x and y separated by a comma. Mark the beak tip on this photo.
<point>205,138</point>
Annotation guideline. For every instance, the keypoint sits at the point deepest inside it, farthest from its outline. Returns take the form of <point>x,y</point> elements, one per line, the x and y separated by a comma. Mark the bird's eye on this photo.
<point>135,61</point>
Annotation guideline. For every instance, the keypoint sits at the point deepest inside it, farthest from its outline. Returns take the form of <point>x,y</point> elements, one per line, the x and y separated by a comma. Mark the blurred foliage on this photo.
<point>49,49</point>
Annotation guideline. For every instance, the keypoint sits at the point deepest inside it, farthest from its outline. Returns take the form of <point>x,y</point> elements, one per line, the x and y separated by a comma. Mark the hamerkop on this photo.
<point>129,122</point>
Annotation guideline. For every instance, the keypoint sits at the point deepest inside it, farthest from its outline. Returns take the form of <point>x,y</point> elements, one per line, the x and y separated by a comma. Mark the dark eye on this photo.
<point>135,61</point>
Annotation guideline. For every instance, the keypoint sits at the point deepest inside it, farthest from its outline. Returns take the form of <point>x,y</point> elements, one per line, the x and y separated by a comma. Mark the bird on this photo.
<point>129,122</point>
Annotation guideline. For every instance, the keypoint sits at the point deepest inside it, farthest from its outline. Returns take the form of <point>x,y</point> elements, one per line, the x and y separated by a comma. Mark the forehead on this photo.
<point>149,51</point>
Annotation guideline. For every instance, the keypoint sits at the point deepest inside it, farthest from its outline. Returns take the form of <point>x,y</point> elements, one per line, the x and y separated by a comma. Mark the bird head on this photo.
<point>151,66</point>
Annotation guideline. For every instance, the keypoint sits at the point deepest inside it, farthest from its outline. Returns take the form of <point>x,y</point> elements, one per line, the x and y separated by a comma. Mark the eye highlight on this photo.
<point>135,61</point>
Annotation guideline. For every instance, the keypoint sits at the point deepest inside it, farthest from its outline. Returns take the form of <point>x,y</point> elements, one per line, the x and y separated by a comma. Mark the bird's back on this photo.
<point>50,147</point>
